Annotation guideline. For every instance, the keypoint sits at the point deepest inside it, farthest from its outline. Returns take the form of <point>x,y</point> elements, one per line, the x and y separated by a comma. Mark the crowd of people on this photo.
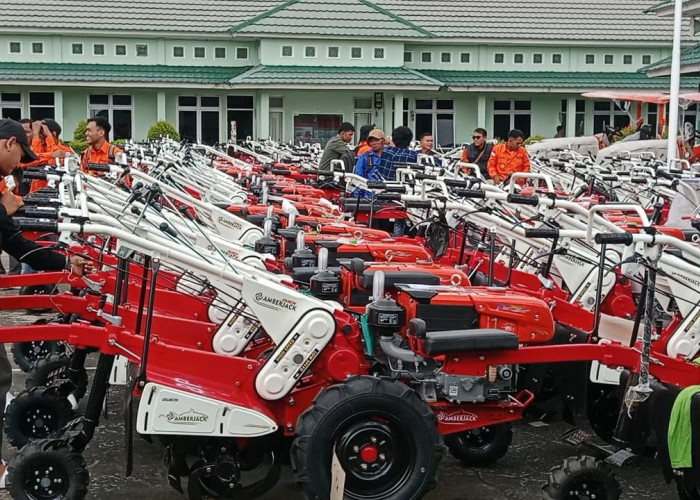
<point>376,155</point>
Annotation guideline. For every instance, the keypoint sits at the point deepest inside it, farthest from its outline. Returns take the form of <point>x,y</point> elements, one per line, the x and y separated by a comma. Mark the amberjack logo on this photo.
<point>228,222</point>
<point>274,303</point>
<point>456,417</point>
<point>188,418</point>
<point>512,308</point>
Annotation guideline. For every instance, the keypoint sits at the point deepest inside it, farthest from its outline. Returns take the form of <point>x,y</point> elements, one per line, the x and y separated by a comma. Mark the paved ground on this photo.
<point>519,475</point>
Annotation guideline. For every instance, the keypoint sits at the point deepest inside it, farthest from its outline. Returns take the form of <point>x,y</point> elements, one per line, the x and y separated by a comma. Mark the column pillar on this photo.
<point>570,130</point>
<point>263,127</point>
<point>398,111</point>
<point>481,112</point>
<point>160,111</point>
<point>58,106</point>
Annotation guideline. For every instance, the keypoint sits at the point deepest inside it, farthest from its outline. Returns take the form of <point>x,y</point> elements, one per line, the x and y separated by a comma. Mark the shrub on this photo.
<point>625,131</point>
<point>163,129</point>
<point>532,139</point>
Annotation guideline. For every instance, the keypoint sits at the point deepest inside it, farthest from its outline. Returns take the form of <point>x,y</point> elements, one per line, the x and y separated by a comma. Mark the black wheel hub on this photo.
<point>374,455</point>
<point>587,487</point>
<point>477,438</point>
<point>46,479</point>
<point>38,422</point>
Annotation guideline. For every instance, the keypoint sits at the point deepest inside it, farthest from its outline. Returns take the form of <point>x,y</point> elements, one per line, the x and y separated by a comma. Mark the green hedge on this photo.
<point>163,129</point>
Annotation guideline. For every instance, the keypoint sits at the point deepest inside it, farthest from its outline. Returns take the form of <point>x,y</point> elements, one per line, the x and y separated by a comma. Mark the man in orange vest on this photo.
<point>509,157</point>
<point>99,149</point>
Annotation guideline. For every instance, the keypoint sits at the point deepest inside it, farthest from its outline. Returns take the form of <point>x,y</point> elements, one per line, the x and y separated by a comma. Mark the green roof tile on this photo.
<point>331,18</point>
<point>690,56</point>
<point>117,73</point>
<point>553,80</point>
<point>337,77</point>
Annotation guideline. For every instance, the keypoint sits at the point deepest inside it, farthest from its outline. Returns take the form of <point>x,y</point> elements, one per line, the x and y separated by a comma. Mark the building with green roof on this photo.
<point>295,69</point>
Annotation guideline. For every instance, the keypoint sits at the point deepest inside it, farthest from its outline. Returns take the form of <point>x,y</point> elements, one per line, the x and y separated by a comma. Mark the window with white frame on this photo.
<point>426,57</point>
<point>178,51</point>
<point>15,48</point>
<point>379,53</point>
<point>590,58</point>
<point>37,48</point>
<point>76,49</point>
<point>198,118</point>
<point>610,114</point>
<point>627,59</point>
<point>355,52</point>
<point>118,109</point>
<point>446,57</point>
<point>241,52</point>
<point>219,52</point>
<point>98,49</point>
<point>120,50</point>
<point>287,51</point>
<point>362,114</point>
<point>499,57</point>
<point>11,105</point>
<point>41,105</point>
<point>333,52</point>
<point>537,58</point>
<point>518,58</point>
<point>509,114</point>
<point>408,56</point>
<point>608,59</point>
<point>277,119</point>
<point>435,116</point>
<point>310,52</point>
<point>556,58</point>
<point>141,50</point>
<point>239,110</point>
<point>465,57</point>
<point>646,59</point>
<point>200,52</point>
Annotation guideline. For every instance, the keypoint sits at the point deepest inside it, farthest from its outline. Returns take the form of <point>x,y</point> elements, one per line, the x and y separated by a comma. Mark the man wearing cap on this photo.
<point>14,148</point>
<point>369,164</point>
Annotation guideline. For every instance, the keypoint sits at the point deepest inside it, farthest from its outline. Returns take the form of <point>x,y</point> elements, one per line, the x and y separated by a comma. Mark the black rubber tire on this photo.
<point>39,290</point>
<point>26,354</point>
<point>36,414</point>
<point>343,417</point>
<point>66,466</point>
<point>578,478</point>
<point>480,446</point>
<point>48,370</point>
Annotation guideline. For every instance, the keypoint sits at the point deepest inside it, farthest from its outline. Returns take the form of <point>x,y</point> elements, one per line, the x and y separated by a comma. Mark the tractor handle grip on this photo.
<point>280,171</point>
<point>37,213</point>
<point>459,183</point>
<point>98,167</point>
<point>542,232</point>
<point>389,196</point>
<point>471,193</point>
<point>40,225</point>
<point>614,238</point>
<point>376,185</point>
<point>34,174</point>
<point>418,204</point>
<point>522,199</point>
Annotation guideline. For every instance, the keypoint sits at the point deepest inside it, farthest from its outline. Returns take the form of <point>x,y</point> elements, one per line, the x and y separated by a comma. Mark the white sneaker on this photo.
<point>8,399</point>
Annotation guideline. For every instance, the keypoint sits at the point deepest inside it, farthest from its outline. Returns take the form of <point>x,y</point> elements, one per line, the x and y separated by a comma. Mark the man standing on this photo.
<point>99,150</point>
<point>478,151</point>
<point>398,153</point>
<point>337,146</point>
<point>14,147</point>
<point>509,157</point>
<point>368,163</point>
<point>427,143</point>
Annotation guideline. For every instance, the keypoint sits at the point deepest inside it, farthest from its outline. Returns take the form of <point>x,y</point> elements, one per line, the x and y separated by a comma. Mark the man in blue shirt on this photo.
<point>369,164</point>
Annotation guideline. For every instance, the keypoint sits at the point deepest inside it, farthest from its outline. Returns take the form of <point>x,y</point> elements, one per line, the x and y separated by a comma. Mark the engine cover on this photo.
<point>468,389</point>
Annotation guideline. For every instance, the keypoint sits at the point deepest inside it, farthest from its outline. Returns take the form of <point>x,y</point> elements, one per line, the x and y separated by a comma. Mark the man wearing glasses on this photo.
<point>478,151</point>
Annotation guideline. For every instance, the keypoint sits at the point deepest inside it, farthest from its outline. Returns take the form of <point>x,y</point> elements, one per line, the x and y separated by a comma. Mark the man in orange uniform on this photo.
<point>47,146</point>
<point>509,157</point>
<point>99,150</point>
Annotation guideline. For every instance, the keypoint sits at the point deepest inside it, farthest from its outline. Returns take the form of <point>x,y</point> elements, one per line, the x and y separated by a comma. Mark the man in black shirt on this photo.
<point>14,148</point>
<point>478,151</point>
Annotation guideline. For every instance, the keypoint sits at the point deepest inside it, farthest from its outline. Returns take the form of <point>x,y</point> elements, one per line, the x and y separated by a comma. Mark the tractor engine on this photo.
<point>427,336</point>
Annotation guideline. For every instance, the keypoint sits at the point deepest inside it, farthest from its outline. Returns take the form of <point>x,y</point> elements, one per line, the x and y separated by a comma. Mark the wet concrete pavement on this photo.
<point>519,475</point>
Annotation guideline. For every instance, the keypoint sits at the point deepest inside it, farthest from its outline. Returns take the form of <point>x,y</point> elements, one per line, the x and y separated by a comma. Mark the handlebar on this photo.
<point>542,232</point>
<point>41,225</point>
<point>521,199</point>
<point>614,238</point>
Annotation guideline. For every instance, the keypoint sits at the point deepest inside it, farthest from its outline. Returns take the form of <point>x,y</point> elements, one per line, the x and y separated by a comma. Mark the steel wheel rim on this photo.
<point>46,479</point>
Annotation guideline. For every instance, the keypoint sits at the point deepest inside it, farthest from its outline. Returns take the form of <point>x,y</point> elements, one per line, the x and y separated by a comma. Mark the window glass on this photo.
<point>356,52</point>
<point>464,57</point>
<point>200,52</point>
<point>178,51</point>
<point>141,50</point>
<point>120,50</point>
<point>498,58</point>
<point>98,49</point>
<point>333,52</point>
<point>77,49</point>
<point>220,52</point>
